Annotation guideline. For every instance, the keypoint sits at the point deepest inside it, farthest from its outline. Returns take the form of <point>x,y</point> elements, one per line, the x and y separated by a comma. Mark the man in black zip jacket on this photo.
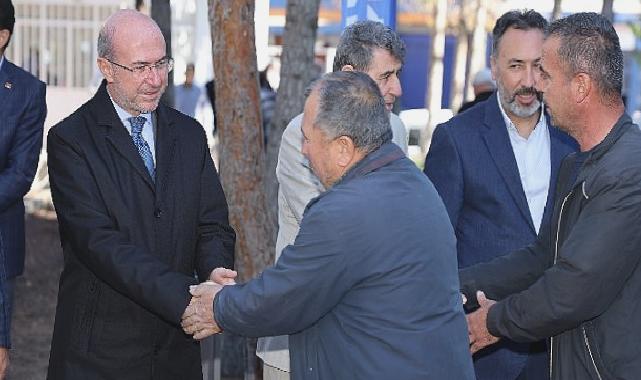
<point>579,283</point>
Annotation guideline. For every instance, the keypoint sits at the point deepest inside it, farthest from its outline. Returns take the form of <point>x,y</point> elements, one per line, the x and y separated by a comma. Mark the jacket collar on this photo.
<point>118,137</point>
<point>620,127</point>
<point>623,124</point>
<point>384,155</point>
<point>6,81</point>
<point>374,160</point>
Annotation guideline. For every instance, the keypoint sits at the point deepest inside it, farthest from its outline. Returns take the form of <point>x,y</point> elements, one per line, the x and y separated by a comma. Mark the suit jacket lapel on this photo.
<point>5,78</point>
<point>499,146</point>
<point>165,146</point>
<point>116,133</point>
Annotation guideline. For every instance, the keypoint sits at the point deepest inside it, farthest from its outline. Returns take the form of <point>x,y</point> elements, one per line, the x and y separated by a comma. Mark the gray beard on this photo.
<point>124,103</point>
<point>510,104</point>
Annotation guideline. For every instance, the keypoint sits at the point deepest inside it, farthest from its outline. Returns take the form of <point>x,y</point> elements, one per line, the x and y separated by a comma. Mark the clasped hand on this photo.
<point>478,333</point>
<point>198,318</point>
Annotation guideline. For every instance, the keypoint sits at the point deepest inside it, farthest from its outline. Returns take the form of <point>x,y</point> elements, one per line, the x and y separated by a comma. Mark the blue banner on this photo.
<point>377,10</point>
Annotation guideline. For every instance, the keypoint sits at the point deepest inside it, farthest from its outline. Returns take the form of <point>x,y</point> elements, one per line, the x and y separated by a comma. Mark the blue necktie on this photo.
<point>143,148</point>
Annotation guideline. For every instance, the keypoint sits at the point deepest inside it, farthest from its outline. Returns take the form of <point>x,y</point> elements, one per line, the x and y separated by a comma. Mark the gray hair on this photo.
<point>350,104</point>
<point>105,42</point>
<point>589,44</point>
<point>359,40</point>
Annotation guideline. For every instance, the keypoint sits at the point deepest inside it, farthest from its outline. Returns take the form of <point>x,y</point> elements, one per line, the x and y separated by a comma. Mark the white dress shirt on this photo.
<point>533,160</point>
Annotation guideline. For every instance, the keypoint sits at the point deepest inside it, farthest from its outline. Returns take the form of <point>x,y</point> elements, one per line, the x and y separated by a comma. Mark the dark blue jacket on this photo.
<point>472,165</point>
<point>369,290</point>
<point>22,114</point>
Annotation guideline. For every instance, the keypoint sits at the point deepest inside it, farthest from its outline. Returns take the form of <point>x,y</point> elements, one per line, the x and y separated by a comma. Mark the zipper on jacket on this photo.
<point>556,253</point>
<point>587,344</point>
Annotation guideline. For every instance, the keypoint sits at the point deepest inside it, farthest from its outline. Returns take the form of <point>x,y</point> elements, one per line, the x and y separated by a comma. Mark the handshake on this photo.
<point>477,308</point>
<point>198,318</point>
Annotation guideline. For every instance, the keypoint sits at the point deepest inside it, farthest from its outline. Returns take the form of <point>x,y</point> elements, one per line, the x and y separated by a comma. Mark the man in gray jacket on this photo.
<point>365,46</point>
<point>579,283</point>
<point>358,293</point>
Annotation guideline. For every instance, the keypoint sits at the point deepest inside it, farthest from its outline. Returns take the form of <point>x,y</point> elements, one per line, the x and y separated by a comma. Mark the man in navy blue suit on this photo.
<point>22,114</point>
<point>495,167</point>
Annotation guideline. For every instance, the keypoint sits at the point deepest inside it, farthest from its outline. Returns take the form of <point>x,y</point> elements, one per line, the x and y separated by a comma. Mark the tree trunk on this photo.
<point>607,10</point>
<point>296,72</point>
<point>556,11</point>
<point>460,65</point>
<point>478,47</point>
<point>435,75</point>
<point>241,162</point>
<point>161,13</point>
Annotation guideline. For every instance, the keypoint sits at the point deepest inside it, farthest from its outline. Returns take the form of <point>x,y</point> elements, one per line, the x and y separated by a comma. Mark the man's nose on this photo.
<point>395,86</point>
<point>155,76</point>
<point>530,77</point>
<point>541,84</point>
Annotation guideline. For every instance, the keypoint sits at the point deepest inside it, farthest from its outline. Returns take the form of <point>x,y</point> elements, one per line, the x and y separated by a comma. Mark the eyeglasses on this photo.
<point>162,66</point>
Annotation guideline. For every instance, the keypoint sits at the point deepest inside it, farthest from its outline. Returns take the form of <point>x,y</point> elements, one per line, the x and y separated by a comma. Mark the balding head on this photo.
<point>132,57</point>
<point>124,28</point>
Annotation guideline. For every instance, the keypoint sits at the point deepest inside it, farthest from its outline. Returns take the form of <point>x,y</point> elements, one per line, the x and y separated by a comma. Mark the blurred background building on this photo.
<point>55,40</point>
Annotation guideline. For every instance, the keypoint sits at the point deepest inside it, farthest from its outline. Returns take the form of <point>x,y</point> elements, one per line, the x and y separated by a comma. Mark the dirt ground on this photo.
<point>35,299</point>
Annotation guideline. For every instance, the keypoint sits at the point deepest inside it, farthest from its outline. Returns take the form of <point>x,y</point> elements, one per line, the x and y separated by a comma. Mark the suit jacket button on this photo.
<point>157,213</point>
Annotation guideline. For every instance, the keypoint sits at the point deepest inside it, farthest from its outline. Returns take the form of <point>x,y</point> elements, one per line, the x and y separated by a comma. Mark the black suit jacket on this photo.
<point>22,115</point>
<point>131,246</point>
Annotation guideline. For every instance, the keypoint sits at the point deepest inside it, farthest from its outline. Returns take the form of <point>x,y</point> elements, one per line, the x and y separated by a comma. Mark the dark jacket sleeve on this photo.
<point>216,239</point>
<point>511,273</point>
<point>594,262</point>
<point>308,280</point>
<point>98,242</point>
<point>443,167</point>
<point>16,178</point>
<point>5,308</point>
<point>22,162</point>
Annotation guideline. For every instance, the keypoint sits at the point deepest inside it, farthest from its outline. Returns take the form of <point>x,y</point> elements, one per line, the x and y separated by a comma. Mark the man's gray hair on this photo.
<point>351,104</point>
<point>589,44</point>
<point>105,42</point>
<point>358,41</point>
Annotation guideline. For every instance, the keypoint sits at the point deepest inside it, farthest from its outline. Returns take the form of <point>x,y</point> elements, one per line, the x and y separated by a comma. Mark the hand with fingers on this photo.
<point>479,335</point>
<point>198,318</point>
<point>223,276</point>
<point>4,362</point>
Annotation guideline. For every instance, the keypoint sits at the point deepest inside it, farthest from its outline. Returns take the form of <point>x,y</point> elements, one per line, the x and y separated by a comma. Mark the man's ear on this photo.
<point>106,69</point>
<point>347,68</point>
<point>581,86</point>
<point>4,39</point>
<point>346,150</point>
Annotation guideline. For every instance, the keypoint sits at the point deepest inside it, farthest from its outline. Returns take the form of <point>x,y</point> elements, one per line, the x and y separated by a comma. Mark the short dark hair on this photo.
<point>7,18</point>
<point>350,104</point>
<point>525,19</point>
<point>358,41</point>
<point>589,44</point>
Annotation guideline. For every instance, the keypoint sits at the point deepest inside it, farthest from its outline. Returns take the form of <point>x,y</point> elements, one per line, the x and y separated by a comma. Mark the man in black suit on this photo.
<point>22,115</point>
<point>140,209</point>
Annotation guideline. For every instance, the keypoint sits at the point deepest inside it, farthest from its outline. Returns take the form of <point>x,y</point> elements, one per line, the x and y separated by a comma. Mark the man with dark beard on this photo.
<point>495,167</point>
